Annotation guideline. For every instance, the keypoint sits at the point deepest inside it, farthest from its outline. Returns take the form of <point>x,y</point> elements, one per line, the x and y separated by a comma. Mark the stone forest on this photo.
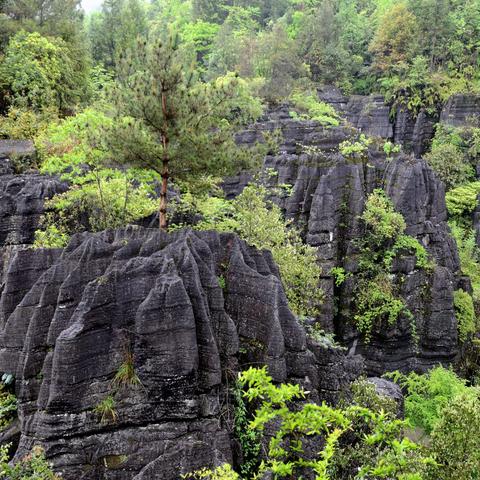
<point>240,239</point>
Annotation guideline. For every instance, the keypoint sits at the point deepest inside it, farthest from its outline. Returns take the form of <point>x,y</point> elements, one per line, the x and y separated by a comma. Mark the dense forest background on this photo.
<point>416,53</point>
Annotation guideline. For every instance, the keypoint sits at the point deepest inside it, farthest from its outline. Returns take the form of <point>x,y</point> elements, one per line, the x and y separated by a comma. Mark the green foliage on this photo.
<point>462,200</point>
<point>376,296</point>
<point>247,438</point>
<point>115,29</point>
<point>355,149</point>
<point>51,237</point>
<point>394,41</point>
<point>383,222</point>
<point>8,407</point>
<point>340,275</point>
<point>170,122</point>
<point>384,453</point>
<point>465,238</point>
<point>39,72</point>
<point>465,313</point>
<point>364,394</point>
<point>427,395</point>
<point>33,467</point>
<point>282,69</point>
<point>376,301</point>
<point>106,410</point>
<point>410,245</point>
<point>224,472</point>
<point>23,123</point>
<point>313,109</point>
<point>108,198</point>
<point>455,442</point>
<point>390,148</point>
<point>448,162</point>
<point>126,375</point>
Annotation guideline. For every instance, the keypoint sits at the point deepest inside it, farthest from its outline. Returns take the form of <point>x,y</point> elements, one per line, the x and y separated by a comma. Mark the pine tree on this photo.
<point>169,121</point>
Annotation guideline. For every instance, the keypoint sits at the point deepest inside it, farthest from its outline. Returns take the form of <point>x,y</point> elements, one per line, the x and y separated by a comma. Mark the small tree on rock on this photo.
<point>169,121</point>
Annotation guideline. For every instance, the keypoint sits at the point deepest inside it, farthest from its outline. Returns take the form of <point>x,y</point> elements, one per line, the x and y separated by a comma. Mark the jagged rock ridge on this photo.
<point>68,321</point>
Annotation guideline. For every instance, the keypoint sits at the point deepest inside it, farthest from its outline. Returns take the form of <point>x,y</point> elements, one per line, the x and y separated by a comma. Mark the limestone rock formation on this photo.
<point>69,321</point>
<point>329,193</point>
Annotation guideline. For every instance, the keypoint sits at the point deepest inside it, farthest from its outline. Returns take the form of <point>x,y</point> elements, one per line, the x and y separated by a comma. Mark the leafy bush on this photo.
<point>376,299</point>
<point>32,467</point>
<point>106,197</point>
<point>390,148</point>
<point>224,472</point>
<point>8,407</point>
<point>39,72</point>
<point>288,453</point>
<point>383,222</point>
<point>25,124</point>
<point>462,200</point>
<point>427,395</point>
<point>314,109</point>
<point>355,149</point>
<point>448,162</point>
<point>465,313</point>
<point>455,442</point>
<point>469,255</point>
<point>51,237</point>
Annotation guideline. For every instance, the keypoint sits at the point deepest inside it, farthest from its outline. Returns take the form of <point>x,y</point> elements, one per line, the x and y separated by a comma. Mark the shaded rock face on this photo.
<point>460,109</point>
<point>22,199</point>
<point>70,318</point>
<point>329,194</point>
<point>373,117</point>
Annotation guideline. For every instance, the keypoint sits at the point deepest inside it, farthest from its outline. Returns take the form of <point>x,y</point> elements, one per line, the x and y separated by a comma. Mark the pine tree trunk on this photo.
<point>163,222</point>
<point>163,197</point>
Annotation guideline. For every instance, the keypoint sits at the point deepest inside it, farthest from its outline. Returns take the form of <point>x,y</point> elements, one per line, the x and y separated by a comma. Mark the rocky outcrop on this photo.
<point>329,193</point>
<point>461,109</point>
<point>71,318</point>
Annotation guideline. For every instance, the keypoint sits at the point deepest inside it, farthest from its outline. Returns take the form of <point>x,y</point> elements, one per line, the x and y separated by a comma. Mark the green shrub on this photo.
<point>381,219</point>
<point>469,255</point>
<point>375,302</point>
<point>106,410</point>
<point>462,200</point>
<point>312,108</point>
<point>32,467</point>
<point>427,395</point>
<point>377,435</point>
<point>455,442</point>
<point>340,275</point>
<point>224,472</point>
<point>449,164</point>
<point>51,237</point>
<point>390,148</point>
<point>465,313</point>
<point>376,299</point>
<point>364,394</point>
<point>355,149</point>
<point>107,197</point>
<point>24,124</point>
<point>8,407</point>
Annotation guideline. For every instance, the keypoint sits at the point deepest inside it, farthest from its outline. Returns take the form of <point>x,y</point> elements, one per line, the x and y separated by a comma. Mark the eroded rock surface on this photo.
<point>329,194</point>
<point>71,319</point>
